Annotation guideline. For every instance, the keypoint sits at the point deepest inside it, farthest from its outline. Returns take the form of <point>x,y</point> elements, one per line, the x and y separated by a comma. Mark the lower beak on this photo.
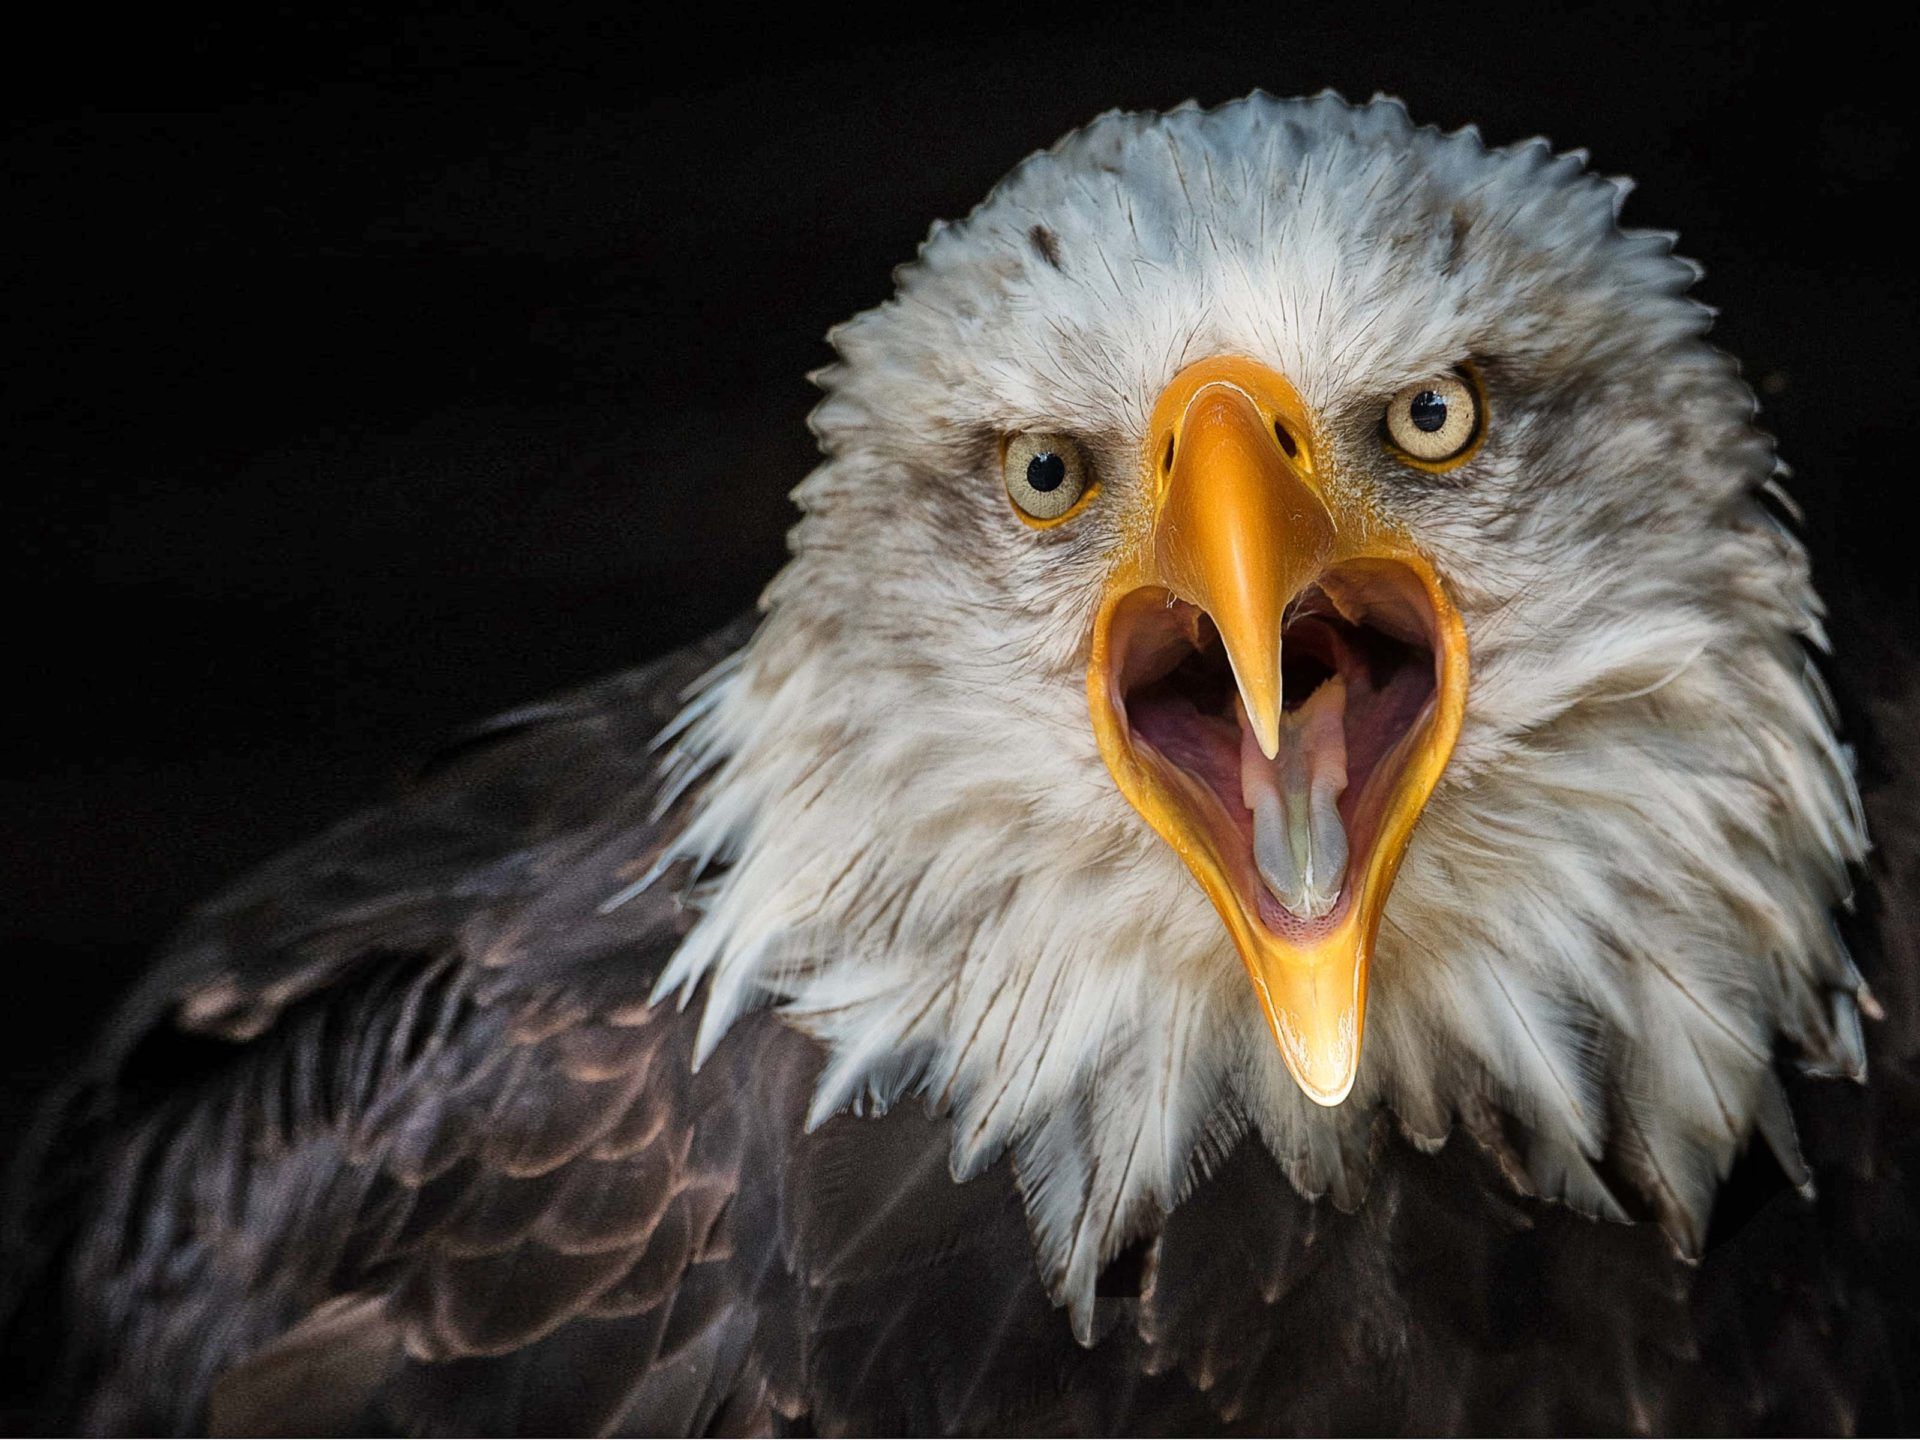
<point>1277,682</point>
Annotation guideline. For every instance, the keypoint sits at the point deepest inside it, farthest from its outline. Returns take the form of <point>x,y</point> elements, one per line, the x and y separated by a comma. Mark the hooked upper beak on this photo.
<point>1277,681</point>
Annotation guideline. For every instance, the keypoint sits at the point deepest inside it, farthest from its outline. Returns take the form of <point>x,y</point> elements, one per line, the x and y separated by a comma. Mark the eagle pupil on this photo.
<point>1428,412</point>
<point>1046,471</point>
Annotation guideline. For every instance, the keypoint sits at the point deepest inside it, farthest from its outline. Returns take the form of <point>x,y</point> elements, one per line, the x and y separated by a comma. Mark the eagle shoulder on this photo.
<point>393,1115</point>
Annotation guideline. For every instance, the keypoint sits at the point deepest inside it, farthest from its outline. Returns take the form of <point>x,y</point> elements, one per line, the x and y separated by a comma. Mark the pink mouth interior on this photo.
<point>1175,691</point>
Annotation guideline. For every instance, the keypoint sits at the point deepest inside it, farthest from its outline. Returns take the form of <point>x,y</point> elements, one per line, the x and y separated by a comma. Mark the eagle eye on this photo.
<point>1435,422</point>
<point>1047,476</point>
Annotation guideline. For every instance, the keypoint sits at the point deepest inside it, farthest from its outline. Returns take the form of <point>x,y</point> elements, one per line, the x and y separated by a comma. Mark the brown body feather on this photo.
<point>393,1142</point>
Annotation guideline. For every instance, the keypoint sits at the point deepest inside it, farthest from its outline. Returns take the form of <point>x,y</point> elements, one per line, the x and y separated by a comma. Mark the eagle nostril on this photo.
<point>1166,460</point>
<point>1287,442</point>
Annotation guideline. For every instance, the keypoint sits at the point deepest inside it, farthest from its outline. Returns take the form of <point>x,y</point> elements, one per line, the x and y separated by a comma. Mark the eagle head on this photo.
<point>1288,628</point>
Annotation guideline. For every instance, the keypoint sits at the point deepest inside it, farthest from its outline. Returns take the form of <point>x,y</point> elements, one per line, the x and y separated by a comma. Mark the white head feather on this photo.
<point>1615,902</point>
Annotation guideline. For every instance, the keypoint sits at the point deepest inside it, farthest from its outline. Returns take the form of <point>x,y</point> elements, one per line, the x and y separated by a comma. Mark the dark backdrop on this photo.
<point>372,370</point>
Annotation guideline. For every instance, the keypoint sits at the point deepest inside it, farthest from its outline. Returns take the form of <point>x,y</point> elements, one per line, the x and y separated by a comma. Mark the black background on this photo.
<point>372,370</point>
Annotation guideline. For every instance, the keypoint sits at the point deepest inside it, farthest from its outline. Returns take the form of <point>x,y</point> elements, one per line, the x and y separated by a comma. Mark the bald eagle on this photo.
<point>1273,845</point>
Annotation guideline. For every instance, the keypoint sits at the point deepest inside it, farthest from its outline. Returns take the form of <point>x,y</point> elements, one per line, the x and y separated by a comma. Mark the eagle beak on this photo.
<point>1277,682</point>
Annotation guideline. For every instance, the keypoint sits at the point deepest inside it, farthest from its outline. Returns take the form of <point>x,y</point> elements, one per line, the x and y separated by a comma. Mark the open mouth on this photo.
<point>1276,678</point>
<point>1295,832</point>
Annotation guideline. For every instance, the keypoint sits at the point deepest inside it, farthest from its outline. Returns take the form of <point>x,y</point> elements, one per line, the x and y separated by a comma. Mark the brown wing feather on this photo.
<point>410,1063</point>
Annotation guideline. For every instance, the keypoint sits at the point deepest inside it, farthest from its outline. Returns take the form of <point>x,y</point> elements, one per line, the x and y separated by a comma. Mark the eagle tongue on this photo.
<point>1299,842</point>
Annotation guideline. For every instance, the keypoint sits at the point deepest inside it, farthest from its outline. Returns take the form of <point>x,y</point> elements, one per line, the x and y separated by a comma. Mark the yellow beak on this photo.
<point>1248,541</point>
